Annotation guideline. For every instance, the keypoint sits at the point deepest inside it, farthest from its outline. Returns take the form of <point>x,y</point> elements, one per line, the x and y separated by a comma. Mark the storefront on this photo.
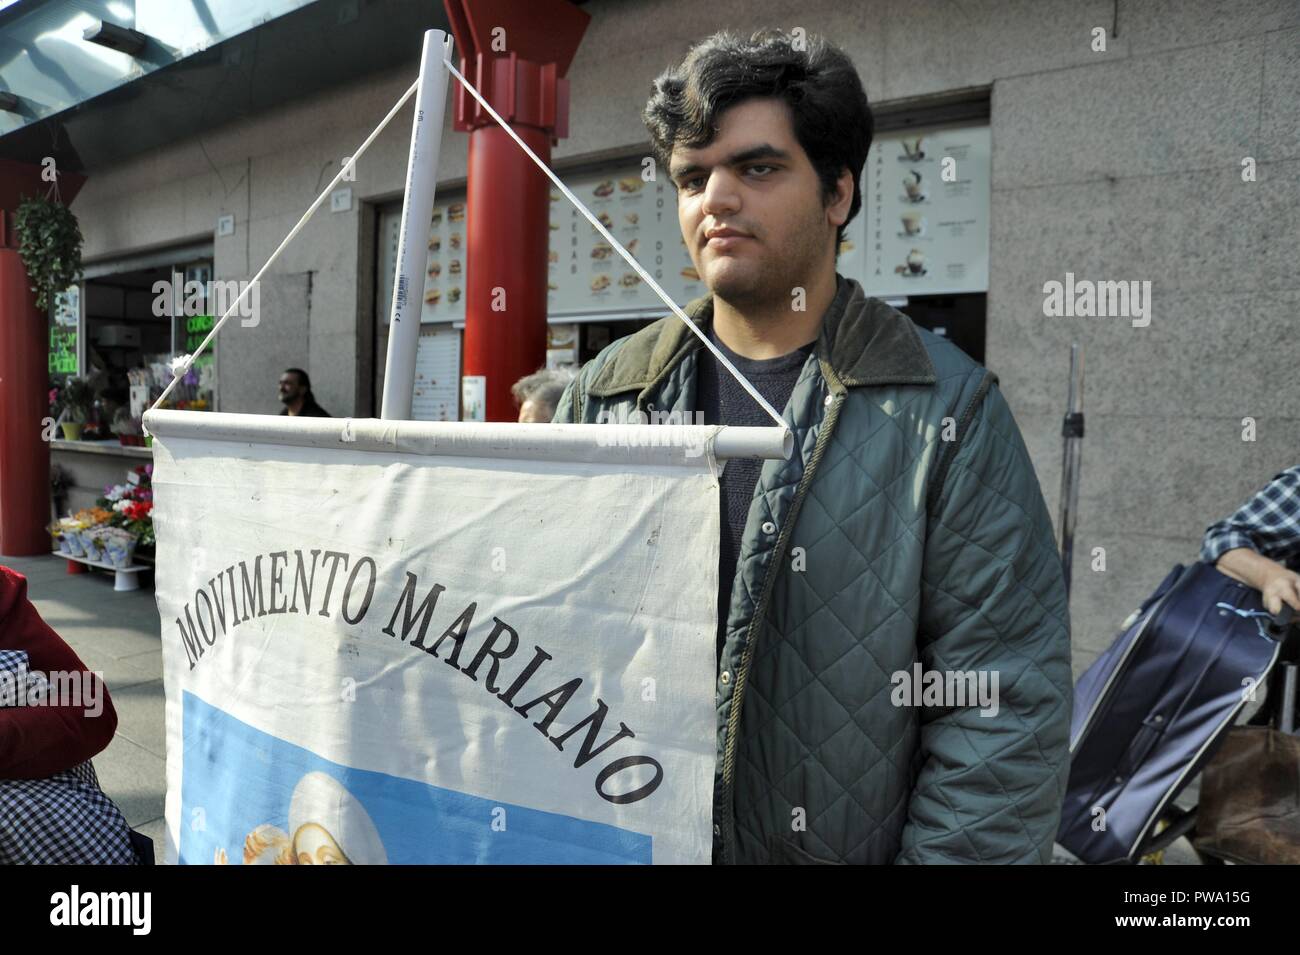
<point>117,331</point>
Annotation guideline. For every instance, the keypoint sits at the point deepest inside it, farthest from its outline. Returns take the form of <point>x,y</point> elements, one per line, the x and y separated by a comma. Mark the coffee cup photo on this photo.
<point>912,183</point>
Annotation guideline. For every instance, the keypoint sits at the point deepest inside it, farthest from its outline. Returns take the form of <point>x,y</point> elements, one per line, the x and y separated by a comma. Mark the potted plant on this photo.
<point>127,429</point>
<point>74,403</point>
<point>49,243</point>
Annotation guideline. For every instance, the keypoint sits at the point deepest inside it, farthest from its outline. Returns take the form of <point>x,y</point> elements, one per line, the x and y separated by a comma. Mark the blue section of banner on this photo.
<point>236,778</point>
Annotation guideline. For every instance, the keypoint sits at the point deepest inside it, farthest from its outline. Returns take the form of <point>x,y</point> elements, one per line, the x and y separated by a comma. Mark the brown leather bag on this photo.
<point>1249,809</point>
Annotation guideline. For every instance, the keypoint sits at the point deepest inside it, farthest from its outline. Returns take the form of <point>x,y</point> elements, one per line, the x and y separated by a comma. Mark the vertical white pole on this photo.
<point>417,213</point>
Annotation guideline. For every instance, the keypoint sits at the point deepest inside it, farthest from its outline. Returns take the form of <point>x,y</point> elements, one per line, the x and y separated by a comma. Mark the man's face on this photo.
<point>290,387</point>
<point>755,180</point>
<point>534,412</point>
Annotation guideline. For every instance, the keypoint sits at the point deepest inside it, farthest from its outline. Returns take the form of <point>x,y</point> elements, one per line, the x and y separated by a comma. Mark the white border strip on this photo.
<point>632,444</point>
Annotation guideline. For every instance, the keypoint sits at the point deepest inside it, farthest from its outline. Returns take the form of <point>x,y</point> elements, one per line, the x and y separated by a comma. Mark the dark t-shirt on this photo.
<point>309,410</point>
<point>722,400</point>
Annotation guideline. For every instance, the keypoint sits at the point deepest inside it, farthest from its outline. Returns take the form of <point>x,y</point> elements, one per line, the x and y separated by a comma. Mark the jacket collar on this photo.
<point>863,341</point>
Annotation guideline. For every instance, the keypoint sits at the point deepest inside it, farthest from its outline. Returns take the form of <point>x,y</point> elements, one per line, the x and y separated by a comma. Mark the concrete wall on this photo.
<point>1115,165</point>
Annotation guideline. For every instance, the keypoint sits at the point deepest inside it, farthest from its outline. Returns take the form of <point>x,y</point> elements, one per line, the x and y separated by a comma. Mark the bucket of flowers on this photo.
<point>131,506</point>
<point>55,529</point>
<point>90,519</point>
<point>119,546</point>
<point>70,541</point>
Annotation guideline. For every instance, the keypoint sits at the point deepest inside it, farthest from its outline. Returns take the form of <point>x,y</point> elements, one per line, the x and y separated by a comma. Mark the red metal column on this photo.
<point>516,55</point>
<point>24,376</point>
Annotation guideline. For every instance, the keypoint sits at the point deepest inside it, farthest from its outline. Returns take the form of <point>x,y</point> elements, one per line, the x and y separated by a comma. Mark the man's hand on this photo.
<point>1277,584</point>
<point>1280,585</point>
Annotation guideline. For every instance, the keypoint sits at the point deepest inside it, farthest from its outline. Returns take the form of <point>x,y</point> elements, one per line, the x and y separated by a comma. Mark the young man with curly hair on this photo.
<point>906,538</point>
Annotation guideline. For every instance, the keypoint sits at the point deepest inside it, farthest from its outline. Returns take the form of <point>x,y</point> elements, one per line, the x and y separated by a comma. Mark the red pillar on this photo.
<point>516,55</point>
<point>24,375</point>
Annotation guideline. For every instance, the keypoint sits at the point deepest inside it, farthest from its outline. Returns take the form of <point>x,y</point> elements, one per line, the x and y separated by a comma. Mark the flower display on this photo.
<point>127,506</point>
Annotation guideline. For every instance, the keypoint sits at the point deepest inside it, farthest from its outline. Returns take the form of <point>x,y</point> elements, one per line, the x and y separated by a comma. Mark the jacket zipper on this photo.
<point>742,677</point>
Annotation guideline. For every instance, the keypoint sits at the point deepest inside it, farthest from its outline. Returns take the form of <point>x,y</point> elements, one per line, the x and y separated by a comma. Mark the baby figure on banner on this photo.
<point>329,826</point>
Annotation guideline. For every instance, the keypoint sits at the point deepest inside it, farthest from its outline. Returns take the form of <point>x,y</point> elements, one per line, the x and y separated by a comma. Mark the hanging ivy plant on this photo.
<point>49,242</point>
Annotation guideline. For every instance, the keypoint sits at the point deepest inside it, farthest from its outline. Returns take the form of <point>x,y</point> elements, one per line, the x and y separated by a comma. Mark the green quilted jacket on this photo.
<point>906,528</point>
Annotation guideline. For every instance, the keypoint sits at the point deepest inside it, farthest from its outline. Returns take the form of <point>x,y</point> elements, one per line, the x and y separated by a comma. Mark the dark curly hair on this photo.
<point>828,106</point>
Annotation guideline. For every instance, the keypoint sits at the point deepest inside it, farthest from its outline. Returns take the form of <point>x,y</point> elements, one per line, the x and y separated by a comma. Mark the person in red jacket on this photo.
<point>54,716</point>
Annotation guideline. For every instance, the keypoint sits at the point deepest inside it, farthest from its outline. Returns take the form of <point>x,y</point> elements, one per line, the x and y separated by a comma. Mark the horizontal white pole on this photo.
<point>590,443</point>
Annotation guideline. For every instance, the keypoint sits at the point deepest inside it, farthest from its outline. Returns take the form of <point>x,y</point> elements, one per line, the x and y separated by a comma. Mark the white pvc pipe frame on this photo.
<point>413,234</point>
<point>644,444</point>
<point>584,443</point>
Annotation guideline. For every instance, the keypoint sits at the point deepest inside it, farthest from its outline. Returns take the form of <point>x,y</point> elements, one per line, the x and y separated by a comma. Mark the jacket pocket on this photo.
<point>783,851</point>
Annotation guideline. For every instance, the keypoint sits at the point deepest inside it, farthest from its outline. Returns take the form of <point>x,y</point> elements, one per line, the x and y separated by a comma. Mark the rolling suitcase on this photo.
<point>1150,711</point>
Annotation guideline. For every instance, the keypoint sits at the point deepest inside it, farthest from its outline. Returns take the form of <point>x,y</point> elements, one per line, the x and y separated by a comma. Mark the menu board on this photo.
<point>436,393</point>
<point>444,281</point>
<point>63,350</point>
<point>585,275</point>
<point>67,306</point>
<point>66,316</point>
<point>926,199</point>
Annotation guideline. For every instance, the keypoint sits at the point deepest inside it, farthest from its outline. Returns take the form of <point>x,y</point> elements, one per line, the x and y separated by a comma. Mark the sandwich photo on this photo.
<point>453,294</point>
<point>432,296</point>
<point>456,212</point>
<point>601,250</point>
<point>632,218</point>
<point>600,282</point>
<point>629,279</point>
<point>435,270</point>
<point>631,184</point>
<point>454,267</point>
<point>606,188</point>
<point>454,241</point>
<point>690,273</point>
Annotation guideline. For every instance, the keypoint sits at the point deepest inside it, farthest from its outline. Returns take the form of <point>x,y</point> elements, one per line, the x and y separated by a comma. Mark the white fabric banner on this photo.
<point>411,642</point>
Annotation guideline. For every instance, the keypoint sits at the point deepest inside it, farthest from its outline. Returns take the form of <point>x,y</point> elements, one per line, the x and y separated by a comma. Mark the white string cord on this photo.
<point>181,365</point>
<point>618,246</point>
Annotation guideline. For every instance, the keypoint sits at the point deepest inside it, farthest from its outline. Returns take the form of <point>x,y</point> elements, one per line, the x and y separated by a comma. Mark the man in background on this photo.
<point>295,393</point>
<point>538,394</point>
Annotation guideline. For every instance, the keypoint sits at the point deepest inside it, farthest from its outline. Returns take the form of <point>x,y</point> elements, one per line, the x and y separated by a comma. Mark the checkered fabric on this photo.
<point>1269,524</point>
<point>62,819</point>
